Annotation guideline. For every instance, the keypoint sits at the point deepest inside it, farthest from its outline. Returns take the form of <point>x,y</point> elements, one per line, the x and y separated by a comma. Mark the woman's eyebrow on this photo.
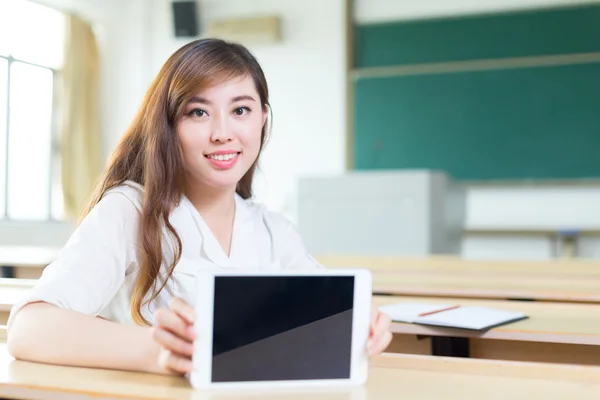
<point>202,100</point>
<point>244,97</point>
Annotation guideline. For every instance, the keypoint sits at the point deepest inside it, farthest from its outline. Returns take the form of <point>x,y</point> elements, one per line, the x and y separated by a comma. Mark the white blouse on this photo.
<point>95,272</point>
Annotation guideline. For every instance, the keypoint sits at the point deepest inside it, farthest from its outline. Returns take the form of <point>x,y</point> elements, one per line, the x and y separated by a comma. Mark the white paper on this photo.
<point>464,317</point>
<point>471,317</point>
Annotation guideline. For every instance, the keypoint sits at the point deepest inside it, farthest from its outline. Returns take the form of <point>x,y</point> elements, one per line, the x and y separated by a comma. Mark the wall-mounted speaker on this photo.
<point>185,18</point>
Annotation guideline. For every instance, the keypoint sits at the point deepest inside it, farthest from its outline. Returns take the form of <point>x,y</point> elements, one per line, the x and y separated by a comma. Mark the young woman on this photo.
<point>174,199</point>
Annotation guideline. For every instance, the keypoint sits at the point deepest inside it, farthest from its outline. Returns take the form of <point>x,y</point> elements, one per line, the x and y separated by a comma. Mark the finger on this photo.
<point>183,309</point>
<point>374,315</point>
<point>167,319</point>
<point>383,324</point>
<point>173,343</point>
<point>178,363</point>
<point>381,343</point>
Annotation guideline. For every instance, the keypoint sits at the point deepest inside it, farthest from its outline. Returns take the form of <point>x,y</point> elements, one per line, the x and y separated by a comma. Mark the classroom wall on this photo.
<point>306,72</point>
<point>310,57</point>
<point>306,75</point>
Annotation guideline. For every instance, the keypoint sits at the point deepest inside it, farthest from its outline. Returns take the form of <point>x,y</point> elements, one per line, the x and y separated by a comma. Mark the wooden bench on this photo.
<point>554,332</point>
<point>390,376</point>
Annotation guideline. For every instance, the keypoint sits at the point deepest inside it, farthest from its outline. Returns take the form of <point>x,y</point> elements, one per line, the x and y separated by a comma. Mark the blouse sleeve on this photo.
<point>92,266</point>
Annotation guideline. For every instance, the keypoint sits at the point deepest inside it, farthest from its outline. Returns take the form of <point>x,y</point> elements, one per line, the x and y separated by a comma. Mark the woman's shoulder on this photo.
<point>127,193</point>
<point>284,237</point>
<point>275,221</point>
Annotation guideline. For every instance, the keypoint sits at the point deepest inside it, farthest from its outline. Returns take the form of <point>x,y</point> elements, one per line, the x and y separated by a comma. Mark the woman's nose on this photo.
<point>220,132</point>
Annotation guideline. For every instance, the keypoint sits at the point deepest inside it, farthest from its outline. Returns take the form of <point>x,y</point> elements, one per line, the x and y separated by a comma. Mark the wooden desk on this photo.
<point>554,332</point>
<point>449,276</point>
<point>26,261</point>
<point>574,268</point>
<point>507,286</point>
<point>559,332</point>
<point>391,376</point>
<point>452,276</point>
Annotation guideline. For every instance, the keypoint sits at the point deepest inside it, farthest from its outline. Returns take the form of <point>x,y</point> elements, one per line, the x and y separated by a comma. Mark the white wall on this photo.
<point>306,75</point>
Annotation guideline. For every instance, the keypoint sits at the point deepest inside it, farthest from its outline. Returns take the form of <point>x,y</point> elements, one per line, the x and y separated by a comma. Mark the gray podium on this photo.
<point>382,213</point>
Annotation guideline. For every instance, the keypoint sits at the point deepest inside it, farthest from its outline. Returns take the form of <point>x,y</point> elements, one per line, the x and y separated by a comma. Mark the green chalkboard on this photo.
<point>521,34</point>
<point>509,124</point>
<point>521,122</point>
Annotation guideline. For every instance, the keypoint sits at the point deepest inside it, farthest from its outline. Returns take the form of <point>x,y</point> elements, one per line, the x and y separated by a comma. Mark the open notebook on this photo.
<point>453,316</point>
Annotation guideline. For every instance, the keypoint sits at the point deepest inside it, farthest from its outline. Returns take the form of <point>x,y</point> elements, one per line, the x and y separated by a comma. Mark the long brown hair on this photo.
<point>149,152</point>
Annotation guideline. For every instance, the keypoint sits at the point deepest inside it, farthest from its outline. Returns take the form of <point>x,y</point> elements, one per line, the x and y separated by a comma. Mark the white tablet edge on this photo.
<point>202,360</point>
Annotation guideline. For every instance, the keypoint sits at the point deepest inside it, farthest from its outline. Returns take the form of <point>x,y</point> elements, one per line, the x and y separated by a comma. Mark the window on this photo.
<point>31,52</point>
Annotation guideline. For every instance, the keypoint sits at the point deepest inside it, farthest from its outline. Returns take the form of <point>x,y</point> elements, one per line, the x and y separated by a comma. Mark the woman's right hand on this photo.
<point>174,332</point>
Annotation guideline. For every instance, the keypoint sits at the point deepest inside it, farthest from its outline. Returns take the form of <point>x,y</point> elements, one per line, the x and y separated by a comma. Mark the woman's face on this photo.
<point>220,132</point>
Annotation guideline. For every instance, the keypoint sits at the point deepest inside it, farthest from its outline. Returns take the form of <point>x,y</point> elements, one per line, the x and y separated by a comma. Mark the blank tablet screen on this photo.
<point>282,328</point>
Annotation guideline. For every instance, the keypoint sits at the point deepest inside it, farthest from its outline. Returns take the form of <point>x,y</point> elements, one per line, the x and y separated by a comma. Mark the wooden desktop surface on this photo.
<point>547,322</point>
<point>452,276</point>
<point>390,377</point>
<point>554,332</point>
<point>440,276</point>
<point>575,268</point>
<point>514,285</point>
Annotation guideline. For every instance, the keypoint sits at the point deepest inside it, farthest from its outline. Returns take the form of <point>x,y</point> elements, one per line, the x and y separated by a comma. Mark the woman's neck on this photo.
<point>217,208</point>
<point>212,203</point>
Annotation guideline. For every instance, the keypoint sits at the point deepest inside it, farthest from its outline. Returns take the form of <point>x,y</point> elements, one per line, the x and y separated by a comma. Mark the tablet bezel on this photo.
<point>200,377</point>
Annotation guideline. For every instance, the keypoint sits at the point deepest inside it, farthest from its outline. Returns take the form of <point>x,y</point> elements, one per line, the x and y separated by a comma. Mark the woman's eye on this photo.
<point>241,110</point>
<point>197,112</point>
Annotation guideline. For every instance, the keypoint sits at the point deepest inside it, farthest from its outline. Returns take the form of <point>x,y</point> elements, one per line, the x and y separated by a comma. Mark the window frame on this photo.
<point>54,142</point>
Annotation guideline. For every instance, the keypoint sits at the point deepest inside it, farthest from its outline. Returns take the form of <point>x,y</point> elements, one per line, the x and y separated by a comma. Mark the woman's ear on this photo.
<point>266,111</point>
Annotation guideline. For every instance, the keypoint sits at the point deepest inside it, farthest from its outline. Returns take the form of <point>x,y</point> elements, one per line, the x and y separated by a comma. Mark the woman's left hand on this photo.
<point>380,335</point>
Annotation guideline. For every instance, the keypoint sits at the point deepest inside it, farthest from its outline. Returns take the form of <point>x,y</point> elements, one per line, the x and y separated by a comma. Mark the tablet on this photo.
<point>278,328</point>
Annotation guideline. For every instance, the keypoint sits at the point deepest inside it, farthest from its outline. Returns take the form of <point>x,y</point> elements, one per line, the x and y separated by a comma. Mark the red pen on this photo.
<point>438,311</point>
